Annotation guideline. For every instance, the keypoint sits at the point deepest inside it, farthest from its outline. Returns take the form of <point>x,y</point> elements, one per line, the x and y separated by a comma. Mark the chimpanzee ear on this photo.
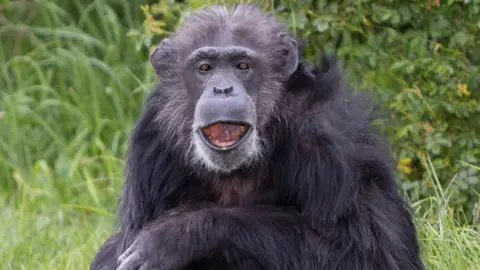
<point>290,52</point>
<point>163,59</point>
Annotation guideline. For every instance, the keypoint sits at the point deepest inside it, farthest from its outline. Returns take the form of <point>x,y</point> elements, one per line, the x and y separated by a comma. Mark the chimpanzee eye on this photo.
<point>205,67</point>
<point>243,66</point>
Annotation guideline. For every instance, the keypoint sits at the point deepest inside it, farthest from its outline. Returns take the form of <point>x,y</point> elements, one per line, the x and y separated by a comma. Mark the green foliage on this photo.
<point>73,75</point>
<point>421,61</point>
<point>65,80</point>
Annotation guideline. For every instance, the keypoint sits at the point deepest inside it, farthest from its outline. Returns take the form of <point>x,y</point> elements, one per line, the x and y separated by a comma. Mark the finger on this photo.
<point>131,262</point>
<point>126,253</point>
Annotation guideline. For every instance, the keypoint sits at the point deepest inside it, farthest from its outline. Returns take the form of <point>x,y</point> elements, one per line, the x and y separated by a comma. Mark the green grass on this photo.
<point>71,86</point>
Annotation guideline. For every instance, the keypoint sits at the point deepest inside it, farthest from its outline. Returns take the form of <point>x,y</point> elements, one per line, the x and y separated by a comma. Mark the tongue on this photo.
<point>223,134</point>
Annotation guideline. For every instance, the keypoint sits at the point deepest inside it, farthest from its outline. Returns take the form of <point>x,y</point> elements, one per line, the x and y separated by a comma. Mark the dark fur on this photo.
<point>322,195</point>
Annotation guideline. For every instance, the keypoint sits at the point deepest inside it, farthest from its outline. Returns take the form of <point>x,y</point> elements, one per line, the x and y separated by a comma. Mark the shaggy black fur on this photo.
<point>322,196</point>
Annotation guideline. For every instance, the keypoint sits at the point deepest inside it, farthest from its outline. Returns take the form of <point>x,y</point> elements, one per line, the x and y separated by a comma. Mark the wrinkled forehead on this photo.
<point>226,36</point>
<point>217,28</point>
<point>222,52</point>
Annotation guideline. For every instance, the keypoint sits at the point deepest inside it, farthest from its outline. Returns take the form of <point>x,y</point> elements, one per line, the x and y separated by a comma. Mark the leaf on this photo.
<point>405,13</point>
<point>399,64</point>
<point>147,42</point>
<point>410,68</point>
<point>461,38</point>
<point>386,16</point>
<point>372,60</point>
<point>321,25</point>
<point>133,33</point>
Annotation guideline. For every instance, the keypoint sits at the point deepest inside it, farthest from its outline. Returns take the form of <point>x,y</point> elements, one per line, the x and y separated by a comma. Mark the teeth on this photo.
<point>224,134</point>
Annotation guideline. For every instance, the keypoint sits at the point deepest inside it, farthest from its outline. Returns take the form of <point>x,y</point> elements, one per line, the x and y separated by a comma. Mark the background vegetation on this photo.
<point>73,76</point>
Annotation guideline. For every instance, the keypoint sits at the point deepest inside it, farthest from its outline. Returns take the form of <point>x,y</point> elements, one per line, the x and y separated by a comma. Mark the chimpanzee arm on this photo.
<point>276,239</point>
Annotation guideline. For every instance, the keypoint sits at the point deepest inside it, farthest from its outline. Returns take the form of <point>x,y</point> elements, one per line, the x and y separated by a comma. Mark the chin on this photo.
<point>239,148</point>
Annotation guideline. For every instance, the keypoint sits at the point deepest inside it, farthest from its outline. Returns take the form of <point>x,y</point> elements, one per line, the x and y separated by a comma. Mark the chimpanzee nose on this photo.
<point>222,90</point>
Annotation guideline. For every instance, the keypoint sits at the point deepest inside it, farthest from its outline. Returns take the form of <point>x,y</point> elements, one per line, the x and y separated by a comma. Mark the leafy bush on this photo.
<point>419,58</point>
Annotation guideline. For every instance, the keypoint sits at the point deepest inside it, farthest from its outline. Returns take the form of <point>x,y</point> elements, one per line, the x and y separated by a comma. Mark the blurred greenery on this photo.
<point>74,74</point>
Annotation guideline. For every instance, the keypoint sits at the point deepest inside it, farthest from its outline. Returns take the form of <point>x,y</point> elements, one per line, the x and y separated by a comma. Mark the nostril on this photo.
<point>227,90</point>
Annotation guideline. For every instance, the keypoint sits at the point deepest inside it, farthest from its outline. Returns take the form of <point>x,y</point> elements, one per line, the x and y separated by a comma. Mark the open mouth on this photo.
<point>225,135</point>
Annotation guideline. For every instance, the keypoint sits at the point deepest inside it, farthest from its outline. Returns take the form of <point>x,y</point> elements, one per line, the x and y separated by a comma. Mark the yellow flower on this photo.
<point>404,165</point>
<point>462,88</point>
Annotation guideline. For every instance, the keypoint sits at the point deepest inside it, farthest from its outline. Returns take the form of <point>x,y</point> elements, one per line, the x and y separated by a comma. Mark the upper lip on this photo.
<point>208,142</point>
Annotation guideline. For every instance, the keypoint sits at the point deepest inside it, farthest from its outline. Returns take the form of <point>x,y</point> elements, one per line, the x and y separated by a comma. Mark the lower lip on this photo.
<point>225,148</point>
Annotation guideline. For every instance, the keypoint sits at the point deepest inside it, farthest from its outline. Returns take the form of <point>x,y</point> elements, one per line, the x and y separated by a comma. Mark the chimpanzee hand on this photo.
<point>150,251</point>
<point>186,235</point>
<point>173,241</point>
